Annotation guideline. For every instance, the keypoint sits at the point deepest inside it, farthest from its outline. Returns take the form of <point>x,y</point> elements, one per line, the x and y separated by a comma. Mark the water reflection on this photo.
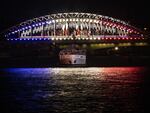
<point>69,90</point>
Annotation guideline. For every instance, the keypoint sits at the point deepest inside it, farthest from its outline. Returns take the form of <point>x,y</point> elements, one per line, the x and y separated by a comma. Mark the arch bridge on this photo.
<point>70,26</point>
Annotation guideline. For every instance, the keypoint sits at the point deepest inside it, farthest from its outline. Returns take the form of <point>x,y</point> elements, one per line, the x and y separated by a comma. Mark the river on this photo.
<point>74,90</point>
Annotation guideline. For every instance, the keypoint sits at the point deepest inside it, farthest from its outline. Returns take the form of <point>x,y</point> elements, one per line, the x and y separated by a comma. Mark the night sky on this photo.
<point>136,12</point>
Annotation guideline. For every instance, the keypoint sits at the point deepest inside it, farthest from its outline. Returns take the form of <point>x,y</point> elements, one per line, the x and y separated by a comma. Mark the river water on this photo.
<point>74,90</point>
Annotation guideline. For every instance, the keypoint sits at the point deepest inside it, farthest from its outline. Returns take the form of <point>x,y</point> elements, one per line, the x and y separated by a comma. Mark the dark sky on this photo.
<point>13,12</point>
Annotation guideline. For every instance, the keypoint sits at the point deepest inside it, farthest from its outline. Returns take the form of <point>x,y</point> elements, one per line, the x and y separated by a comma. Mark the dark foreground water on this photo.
<point>74,90</point>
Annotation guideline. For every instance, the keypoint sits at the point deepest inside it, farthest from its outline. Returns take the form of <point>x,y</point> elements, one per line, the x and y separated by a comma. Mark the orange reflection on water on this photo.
<point>122,69</point>
<point>99,73</point>
<point>123,74</point>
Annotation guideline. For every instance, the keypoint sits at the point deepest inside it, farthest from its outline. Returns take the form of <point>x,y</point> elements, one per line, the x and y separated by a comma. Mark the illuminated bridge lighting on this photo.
<point>65,38</point>
<point>74,26</point>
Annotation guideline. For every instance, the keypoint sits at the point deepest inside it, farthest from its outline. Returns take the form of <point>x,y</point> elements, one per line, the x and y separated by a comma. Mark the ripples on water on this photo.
<point>73,90</point>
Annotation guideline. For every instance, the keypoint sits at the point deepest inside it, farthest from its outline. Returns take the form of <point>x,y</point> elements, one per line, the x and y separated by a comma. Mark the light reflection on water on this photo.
<point>57,90</point>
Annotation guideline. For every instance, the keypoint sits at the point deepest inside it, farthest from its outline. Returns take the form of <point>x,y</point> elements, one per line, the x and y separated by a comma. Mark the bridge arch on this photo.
<point>69,26</point>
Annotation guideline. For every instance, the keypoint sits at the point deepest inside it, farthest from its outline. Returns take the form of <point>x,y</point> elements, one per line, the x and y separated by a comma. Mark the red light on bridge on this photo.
<point>114,38</point>
<point>98,38</point>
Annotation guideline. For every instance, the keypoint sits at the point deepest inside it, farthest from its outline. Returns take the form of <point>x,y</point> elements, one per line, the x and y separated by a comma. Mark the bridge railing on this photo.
<point>82,37</point>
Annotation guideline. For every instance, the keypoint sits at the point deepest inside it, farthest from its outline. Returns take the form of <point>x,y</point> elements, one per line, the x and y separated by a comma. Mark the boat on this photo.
<point>72,56</point>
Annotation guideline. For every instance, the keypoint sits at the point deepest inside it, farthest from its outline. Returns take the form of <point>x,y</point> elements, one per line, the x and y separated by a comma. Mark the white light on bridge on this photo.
<point>53,21</point>
<point>63,20</point>
<point>91,38</point>
<point>116,48</point>
<point>60,20</point>
<point>91,20</point>
<point>87,20</point>
<point>56,20</point>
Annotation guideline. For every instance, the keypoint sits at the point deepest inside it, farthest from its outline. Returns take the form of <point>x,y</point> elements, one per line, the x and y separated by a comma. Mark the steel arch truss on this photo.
<point>72,25</point>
